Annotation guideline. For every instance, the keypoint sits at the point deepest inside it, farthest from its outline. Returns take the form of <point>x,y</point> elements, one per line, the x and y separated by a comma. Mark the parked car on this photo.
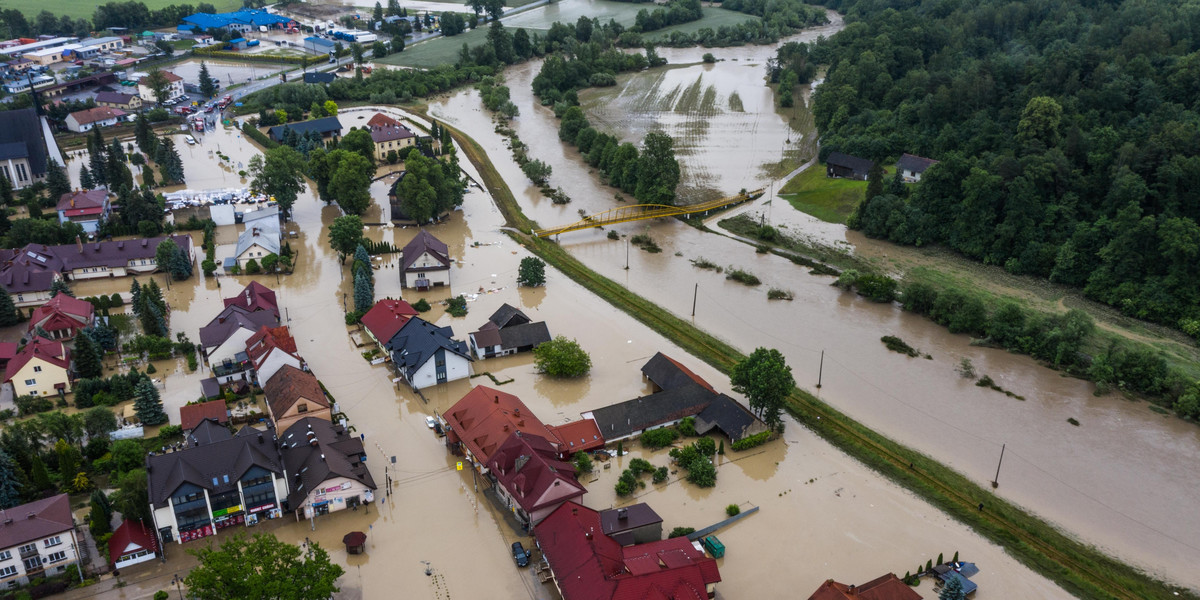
<point>430,422</point>
<point>520,555</point>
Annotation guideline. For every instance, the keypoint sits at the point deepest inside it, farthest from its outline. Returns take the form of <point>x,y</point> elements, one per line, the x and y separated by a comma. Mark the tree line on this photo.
<point>1070,159</point>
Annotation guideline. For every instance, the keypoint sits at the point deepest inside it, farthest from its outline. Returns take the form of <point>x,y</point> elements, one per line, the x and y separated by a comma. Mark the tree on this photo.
<point>164,253</point>
<point>348,176</point>
<point>532,272</point>
<point>278,172</point>
<point>100,517</point>
<point>377,14</point>
<point>359,141</point>
<point>379,50</point>
<point>127,455</point>
<point>356,50</point>
<point>537,171</point>
<point>68,460</point>
<point>364,292</point>
<point>180,265</point>
<point>144,134</point>
<point>583,462</point>
<point>331,108</point>
<point>87,358</point>
<point>263,568</point>
<point>38,475</point>
<point>59,286</point>
<point>562,357</point>
<point>156,82</point>
<point>129,499</point>
<point>362,261</point>
<point>953,590</point>
<point>766,380</point>
<point>10,491</point>
<point>657,170</point>
<point>345,233</point>
<point>8,309</point>
<point>208,87</point>
<point>57,182</point>
<point>98,421</point>
<point>147,404</point>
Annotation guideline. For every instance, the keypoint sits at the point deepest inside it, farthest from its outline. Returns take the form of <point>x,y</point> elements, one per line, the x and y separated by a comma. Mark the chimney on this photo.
<point>497,400</point>
<point>78,240</point>
<point>622,513</point>
<point>260,438</point>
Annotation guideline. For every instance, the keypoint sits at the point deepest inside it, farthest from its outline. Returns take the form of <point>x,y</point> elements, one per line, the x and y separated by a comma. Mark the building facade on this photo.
<point>37,540</point>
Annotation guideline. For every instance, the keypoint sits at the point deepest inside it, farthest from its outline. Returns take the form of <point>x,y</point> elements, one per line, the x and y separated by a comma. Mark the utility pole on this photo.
<point>695,293</point>
<point>996,480</point>
<point>821,370</point>
<point>626,254</point>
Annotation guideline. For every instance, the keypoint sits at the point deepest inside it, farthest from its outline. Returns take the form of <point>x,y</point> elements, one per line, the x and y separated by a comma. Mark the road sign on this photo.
<point>460,465</point>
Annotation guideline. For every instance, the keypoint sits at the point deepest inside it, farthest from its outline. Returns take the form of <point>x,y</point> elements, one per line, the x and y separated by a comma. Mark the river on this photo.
<point>1118,480</point>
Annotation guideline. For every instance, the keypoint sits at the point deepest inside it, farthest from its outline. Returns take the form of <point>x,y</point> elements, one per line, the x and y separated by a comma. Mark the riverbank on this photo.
<point>1081,569</point>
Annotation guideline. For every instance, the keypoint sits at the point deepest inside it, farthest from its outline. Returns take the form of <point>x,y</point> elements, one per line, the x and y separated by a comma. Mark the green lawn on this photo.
<point>440,50</point>
<point>827,199</point>
<point>85,8</point>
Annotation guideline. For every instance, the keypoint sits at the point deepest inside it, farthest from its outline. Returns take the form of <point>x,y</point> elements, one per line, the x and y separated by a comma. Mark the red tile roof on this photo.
<point>578,436</point>
<point>255,296</point>
<point>528,467</point>
<point>62,312</point>
<point>191,415</point>
<point>50,351</point>
<point>589,565</point>
<point>387,317</point>
<point>83,199</point>
<point>887,587</point>
<point>484,418</point>
<point>130,537</point>
<point>259,345</point>
<point>290,385</point>
<point>35,520</point>
<point>382,120</point>
<point>94,115</point>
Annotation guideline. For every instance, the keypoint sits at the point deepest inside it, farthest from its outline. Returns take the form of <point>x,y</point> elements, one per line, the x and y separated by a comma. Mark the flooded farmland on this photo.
<point>1091,480</point>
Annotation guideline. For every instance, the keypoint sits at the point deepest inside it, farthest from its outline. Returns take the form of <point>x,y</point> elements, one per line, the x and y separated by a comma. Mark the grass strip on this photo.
<point>1081,569</point>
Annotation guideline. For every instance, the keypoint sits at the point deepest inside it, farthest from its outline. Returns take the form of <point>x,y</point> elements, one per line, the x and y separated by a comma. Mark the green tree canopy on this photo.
<point>262,568</point>
<point>657,170</point>
<point>766,380</point>
<point>531,272</point>
<point>345,233</point>
<point>278,172</point>
<point>147,404</point>
<point>562,357</point>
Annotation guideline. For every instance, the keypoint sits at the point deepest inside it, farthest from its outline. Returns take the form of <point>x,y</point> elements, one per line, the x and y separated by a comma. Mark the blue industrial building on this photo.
<point>242,20</point>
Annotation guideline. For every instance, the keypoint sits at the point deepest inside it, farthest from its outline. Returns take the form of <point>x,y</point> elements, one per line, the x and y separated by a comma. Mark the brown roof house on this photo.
<point>62,317</point>
<point>292,395</point>
<point>425,262</point>
<point>101,116</point>
<point>887,587</point>
<point>633,524</point>
<point>39,540</point>
<point>191,415</point>
<point>128,102</point>
<point>327,468</point>
<point>531,479</point>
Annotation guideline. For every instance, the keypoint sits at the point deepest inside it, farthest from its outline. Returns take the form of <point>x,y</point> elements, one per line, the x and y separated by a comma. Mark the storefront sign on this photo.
<point>227,511</point>
<point>257,509</point>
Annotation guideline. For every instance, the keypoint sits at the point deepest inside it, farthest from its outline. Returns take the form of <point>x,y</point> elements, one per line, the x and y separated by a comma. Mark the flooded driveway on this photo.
<point>1092,479</point>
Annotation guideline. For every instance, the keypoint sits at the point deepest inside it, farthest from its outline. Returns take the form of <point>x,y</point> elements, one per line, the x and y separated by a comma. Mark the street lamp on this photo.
<point>176,581</point>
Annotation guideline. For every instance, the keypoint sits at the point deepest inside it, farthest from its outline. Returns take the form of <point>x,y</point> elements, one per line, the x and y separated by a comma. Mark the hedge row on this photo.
<point>229,54</point>
<point>253,133</point>
<point>747,443</point>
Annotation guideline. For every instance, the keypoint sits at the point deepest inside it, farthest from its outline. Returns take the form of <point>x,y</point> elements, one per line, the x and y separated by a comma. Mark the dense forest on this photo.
<point>1067,131</point>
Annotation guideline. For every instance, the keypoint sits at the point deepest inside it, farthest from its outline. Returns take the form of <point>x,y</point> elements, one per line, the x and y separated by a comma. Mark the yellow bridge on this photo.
<point>641,212</point>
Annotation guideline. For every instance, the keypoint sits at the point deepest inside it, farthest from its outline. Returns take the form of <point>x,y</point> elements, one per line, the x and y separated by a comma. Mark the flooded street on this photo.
<point>1093,480</point>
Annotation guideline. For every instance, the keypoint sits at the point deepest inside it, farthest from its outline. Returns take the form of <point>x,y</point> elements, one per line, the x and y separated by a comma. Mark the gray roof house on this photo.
<point>838,164</point>
<point>424,262</point>
<point>316,451</point>
<point>508,331</point>
<point>426,354</point>
<point>911,167</point>
<point>326,126</point>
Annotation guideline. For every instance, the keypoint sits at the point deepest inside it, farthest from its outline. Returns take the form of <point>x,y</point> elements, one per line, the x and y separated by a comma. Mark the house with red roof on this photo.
<point>62,317</point>
<point>483,419</point>
<point>130,544</point>
<point>587,564</point>
<point>386,318</point>
<point>531,480</point>
<point>89,208</point>
<point>192,415</point>
<point>223,341</point>
<point>39,539</point>
<point>293,395</point>
<point>41,368</point>
<point>255,297</point>
<point>270,349</point>
<point>578,436</point>
<point>887,587</point>
<point>100,116</point>
<point>8,351</point>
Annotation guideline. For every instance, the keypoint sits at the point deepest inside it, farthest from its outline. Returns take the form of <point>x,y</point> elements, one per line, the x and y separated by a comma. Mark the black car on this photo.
<point>520,555</point>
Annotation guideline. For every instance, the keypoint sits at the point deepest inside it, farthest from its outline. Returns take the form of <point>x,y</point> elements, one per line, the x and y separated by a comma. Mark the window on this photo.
<point>302,408</point>
<point>37,368</point>
<point>6,555</point>
<point>33,563</point>
<point>27,548</point>
<point>8,571</point>
<point>59,556</point>
<point>30,382</point>
<point>54,541</point>
<point>21,172</point>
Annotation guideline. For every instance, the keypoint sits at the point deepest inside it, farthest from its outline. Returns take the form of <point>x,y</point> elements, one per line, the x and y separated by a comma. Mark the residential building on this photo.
<point>508,331</point>
<point>220,481</point>
<point>173,90</point>
<point>126,102</point>
<point>23,154</point>
<point>243,21</point>
<point>327,467</point>
<point>582,435</point>
<point>293,395</point>
<point>390,135</point>
<point>223,341</point>
<point>8,351</point>
<point>41,368</point>
<point>114,258</point>
<point>256,243</point>
<point>132,543</point>
<point>270,350</point>
<point>100,116</point>
<point>386,318</point>
<point>89,208</point>
<point>887,587</point>
<point>256,297</point>
<point>586,564</point>
<point>962,571</point>
<point>27,274</point>
<point>483,419</point>
<point>633,524</point>
<point>62,317</point>
<point>326,126</point>
<point>912,167</point>
<point>849,167</point>
<point>192,415</point>
<point>37,540</point>
<point>679,393</point>
<point>425,262</point>
<point>531,479</point>
<point>425,354</point>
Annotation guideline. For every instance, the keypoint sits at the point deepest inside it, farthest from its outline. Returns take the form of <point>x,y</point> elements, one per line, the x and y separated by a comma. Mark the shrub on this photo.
<point>209,267</point>
<point>687,427</point>
<point>896,344</point>
<point>877,288</point>
<point>640,465</point>
<point>583,462</point>
<point>732,510</point>
<point>612,235</point>
<point>353,317</point>
<point>422,305</point>
<point>659,438</point>
<point>746,443</point>
<point>702,473</point>
<point>706,446</point>
<point>660,474</point>
<point>708,265</point>
<point>252,267</point>
<point>681,531</point>
<point>562,357</point>
<point>457,306</point>
<point>645,242</point>
<point>626,483</point>
<point>161,595</point>
<point>779,294</point>
<point>744,277</point>
<point>709,58</point>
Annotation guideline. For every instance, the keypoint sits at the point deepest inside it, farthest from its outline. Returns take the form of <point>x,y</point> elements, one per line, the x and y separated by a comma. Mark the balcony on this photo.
<point>28,552</point>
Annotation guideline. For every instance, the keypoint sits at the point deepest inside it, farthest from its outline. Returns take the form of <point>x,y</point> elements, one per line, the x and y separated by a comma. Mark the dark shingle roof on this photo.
<point>854,163</point>
<point>310,460</point>
<point>22,125</point>
<point>635,515</point>
<point>916,164</point>
<point>115,253</point>
<point>230,320</point>
<point>623,418</point>
<point>520,336</point>
<point>667,373</point>
<point>323,126</point>
<point>507,315</point>
<point>422,243</point>
<point>418,340</point>
<point>728,415</point>
<point>202,465</point>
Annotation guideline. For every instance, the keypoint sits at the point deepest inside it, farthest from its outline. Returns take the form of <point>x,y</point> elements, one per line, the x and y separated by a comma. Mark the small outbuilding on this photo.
<point>912,167</point>
<point>848,167</point>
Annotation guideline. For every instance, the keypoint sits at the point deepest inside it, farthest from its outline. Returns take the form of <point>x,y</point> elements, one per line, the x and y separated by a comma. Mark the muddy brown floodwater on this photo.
<point>823,514</point>
<point>1114,481</point>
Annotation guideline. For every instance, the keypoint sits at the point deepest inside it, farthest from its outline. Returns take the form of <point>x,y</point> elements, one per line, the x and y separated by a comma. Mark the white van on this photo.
<point>262,28</point>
